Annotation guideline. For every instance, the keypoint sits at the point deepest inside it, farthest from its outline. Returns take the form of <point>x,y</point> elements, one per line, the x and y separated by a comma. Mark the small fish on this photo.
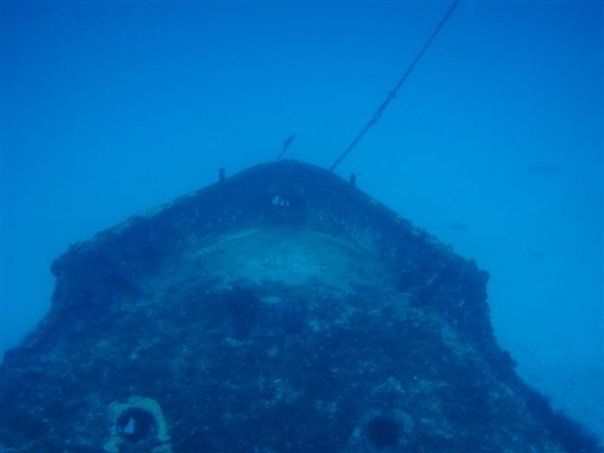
<point>537,254</point>
<point>547,170</point>
<point>459,227</point>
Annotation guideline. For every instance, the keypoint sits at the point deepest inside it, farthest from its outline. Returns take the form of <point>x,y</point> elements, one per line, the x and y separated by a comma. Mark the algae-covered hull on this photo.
<point>279,310</point>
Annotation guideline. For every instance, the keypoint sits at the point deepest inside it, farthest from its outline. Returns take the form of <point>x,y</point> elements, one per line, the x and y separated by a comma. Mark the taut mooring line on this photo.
<point>378,113</point>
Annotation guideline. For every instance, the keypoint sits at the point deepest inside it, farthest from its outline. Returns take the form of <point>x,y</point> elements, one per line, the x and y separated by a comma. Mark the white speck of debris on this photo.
<point>130,426</point>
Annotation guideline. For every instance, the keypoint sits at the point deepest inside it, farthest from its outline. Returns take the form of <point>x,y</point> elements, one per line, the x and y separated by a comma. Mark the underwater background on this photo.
<point>494,143</point>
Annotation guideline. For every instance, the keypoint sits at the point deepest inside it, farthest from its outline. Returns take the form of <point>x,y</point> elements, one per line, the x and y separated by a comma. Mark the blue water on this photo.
<point>494,143</point>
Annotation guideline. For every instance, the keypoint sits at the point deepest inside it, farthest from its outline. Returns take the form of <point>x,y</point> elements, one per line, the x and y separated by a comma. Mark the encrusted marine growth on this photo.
<point>139,421</point>
<point>279,310</point>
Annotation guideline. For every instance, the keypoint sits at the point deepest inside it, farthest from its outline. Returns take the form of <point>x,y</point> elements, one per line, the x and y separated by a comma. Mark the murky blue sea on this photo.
<point>494,143</point>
